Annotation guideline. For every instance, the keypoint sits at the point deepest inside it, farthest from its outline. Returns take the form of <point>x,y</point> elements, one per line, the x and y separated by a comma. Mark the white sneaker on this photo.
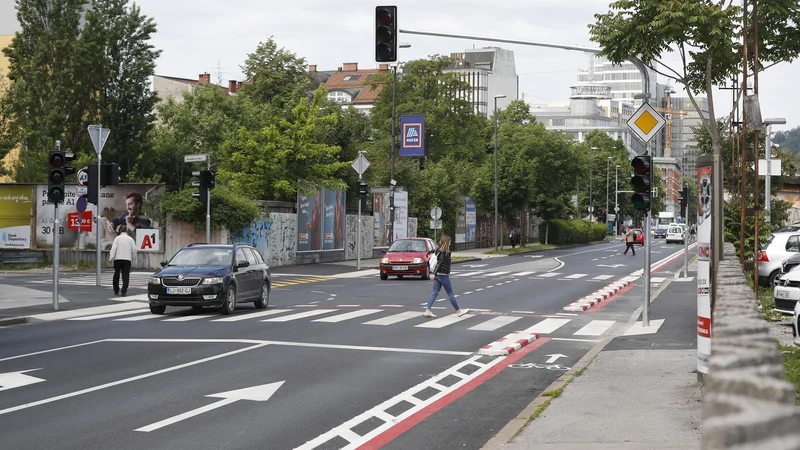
<point>429,313</point>
<point>461,312</point>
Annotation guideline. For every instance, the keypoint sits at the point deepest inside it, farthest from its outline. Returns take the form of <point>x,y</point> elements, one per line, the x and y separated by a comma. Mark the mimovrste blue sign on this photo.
<point>413,140</point>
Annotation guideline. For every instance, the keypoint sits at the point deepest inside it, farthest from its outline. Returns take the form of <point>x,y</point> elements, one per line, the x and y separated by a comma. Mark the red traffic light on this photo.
<point>641,165</point>
<point>383,15</point>
<point>57,159</point>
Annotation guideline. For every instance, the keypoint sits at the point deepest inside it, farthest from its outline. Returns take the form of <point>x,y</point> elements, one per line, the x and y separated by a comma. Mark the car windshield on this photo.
<point>408,246</point>
<point>675,230</point>
<point>202,257</point>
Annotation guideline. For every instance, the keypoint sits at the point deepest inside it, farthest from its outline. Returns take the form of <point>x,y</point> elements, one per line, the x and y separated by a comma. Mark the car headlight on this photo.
<point>213,280</point>
<point>417,261</point>
<point>155,280</point>
<point>385,261</point>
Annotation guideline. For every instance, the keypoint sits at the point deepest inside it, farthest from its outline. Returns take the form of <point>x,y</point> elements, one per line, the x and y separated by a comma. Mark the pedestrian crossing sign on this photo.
<point>646,122</point>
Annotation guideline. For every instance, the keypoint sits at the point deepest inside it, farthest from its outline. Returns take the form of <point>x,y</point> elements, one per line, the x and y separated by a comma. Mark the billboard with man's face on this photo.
<point>320,220</point>
<point>135,209</point>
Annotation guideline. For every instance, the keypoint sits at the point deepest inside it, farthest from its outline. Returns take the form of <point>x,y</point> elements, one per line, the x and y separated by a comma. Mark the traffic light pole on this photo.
<point>391,176</point>
<point>56,251</point>
<point>358,230</point>
<point>648,240</point>
<point>208,206</point>
<point>686,236</point>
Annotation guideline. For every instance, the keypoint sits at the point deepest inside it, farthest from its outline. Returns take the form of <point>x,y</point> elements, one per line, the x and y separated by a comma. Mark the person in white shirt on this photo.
<point>122,252</point>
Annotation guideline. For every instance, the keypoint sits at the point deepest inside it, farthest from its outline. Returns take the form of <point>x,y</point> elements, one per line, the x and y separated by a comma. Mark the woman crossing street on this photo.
<point>441,278</point>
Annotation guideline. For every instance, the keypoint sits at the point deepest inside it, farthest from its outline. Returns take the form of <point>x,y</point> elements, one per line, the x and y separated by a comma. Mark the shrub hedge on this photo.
<point>562,232</point>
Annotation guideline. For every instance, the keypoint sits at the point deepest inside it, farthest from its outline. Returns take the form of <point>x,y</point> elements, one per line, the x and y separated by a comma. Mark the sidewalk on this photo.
<point>638,392</point>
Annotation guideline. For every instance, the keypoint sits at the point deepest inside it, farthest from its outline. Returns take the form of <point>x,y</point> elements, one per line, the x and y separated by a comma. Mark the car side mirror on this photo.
<point>243,263</point>
<point>164,263</point>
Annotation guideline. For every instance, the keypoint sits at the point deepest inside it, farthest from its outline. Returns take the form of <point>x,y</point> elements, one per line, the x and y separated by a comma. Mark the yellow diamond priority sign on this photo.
<point>646,122</point>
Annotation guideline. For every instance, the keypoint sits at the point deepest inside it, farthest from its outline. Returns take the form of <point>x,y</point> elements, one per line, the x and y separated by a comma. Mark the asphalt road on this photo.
<point>336,361</point>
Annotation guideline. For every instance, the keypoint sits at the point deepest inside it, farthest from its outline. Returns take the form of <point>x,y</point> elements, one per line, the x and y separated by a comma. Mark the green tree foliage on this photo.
<point>64,78</point>
<point>228,209</point>
<point>275,77</point>
<point>788,140</point>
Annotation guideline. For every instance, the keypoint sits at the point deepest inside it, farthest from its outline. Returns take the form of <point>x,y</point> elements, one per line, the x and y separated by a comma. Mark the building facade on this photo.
<point>671,183</point>
<point>174,87</point>
<point>349,85</point>
<point>685,119</point>
<point>489,71</point>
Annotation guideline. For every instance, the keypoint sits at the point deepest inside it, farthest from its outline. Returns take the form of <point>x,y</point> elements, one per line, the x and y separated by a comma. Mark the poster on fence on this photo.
<point>704,176</point>
<point>16,208</point>
<point>320,220</point>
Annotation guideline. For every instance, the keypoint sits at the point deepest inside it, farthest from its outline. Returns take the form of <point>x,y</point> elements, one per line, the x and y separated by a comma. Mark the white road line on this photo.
<point>112,314</point>
<point>468,292</point>
<point>547,326</point>
<point>346,316</point>
<point>444,321</point>
<point>548,274</point>
<point>394,318</point>
<point>602,277</point>
<point>60,315</point>
<point>188,318</point>
<point>595,328</point>
<point>391,306</point>
<point>468,274</point>
<point>495,323</point>
<point>522,274</point>
<point>301,315</point>
<point>566,314</point>
<point>496,274</point>
<point>479,310</point>
<point>239,317</point>
<point>126,380</point>
<point>523,312</point>
<point>139,318</point>
<point>347,306</point>
<point>575,276</point>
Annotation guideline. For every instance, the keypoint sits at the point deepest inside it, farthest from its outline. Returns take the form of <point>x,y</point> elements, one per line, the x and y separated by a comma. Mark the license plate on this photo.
<point>782,294</point>
<point>399,267</point>
<point>179,291</point>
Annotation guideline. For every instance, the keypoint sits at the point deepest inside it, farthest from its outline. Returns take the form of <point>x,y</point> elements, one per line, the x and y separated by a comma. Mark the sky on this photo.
<point>198,36</point>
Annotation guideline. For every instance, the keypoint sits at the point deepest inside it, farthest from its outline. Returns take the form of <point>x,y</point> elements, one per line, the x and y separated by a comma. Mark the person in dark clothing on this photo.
<point>441,277</point>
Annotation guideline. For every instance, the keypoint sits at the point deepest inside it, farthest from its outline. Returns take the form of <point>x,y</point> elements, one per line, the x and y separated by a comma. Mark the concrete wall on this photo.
<point>367,241</point>
<point>274,235</point>
<point>747,403</point>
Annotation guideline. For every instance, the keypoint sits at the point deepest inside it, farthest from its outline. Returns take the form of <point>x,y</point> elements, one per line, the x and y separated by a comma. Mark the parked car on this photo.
<point>776,249</point>
<point>660,233</point>
<point>675,234</point>
<point>788,265</point>
<point>407,256</point>
<point>794,324</point>
<point>786,292</point>
<point>211,275</point>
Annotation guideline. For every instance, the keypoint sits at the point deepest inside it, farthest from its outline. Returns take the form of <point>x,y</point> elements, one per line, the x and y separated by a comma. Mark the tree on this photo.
<point>64,78</point>
<point>788,140</point>
<point>707,36</point>
<point>275,77</point>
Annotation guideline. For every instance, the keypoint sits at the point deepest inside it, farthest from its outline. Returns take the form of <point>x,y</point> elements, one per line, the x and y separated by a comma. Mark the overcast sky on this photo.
<point>211,36</point>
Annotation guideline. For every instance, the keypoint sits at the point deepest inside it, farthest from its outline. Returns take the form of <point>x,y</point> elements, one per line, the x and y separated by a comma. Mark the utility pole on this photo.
<point>391,176</point>
<point>496,209</point>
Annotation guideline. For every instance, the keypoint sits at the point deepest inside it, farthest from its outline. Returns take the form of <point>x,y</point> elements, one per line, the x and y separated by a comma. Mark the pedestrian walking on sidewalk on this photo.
<point>630,239</point>
<point>122,251</point>
<point>441,278</point>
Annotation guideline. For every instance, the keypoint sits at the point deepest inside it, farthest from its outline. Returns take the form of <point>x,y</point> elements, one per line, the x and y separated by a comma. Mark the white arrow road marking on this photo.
<point>260,393</point>
<point>613,266</point>
<point>554,358</point>
<point>11,380</point>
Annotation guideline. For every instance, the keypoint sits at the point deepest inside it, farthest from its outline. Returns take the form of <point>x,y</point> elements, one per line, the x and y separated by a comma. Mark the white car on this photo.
<point>786,292</point>
<point>675,234</point>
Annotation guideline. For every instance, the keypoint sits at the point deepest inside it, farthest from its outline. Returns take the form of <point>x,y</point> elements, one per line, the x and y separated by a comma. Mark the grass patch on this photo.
<point>580,372</point>
<point>766,301</point>
<point>26,266</point>
<point>511,251</point>
<point>554,393</point>
<point>791,365</point>
<point>539,410</point>
<point>453,258</point>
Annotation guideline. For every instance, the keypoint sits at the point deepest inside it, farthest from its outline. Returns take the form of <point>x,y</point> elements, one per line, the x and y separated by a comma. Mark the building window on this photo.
<point>351,77</point>
<point>558,122</point>
<point>339,97</point>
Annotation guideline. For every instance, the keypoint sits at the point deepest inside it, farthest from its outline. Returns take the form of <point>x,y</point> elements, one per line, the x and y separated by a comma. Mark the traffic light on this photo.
<point>58,174</point>
<point>109,176</point>
<point>386,33</point>
<point>205,181</point>
<point>363,189</point>
<point>684,198</point>
<point>641,183</point>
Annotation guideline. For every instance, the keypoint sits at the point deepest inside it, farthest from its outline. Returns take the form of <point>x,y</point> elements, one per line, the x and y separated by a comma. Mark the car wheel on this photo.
<point>157,309</point>
<point>230,301</point>
<point>384,277</point>
<point>772,276</point>
<point>263,301</point>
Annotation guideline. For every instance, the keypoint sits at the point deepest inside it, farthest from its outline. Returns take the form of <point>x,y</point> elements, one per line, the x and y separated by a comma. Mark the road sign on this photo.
<point>360,164</point>
<point>99,136</point>
<point>436,213</point>
<point>80,205</point>
<point>80,221</point>
<point>11,380</point>
<point>436,224</point>
<point>616,208</point>
<point>774,167</point>
<point>612,217</point>
<point>195,158</point>
<point>591,209</point>
<point>82,190</point>
<point>254,394</point>
<point>646,122</point>
<point>83,177</point>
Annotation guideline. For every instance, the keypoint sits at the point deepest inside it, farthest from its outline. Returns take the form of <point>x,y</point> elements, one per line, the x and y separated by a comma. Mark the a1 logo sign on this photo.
<point>148,239</point>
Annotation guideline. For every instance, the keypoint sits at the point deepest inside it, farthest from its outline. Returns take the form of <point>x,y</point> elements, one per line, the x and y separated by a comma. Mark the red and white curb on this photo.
<point>509,344</point>
<point>598,296</point>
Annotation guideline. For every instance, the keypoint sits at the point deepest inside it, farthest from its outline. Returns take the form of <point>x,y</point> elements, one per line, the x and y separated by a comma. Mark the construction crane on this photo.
<point>668,113</point>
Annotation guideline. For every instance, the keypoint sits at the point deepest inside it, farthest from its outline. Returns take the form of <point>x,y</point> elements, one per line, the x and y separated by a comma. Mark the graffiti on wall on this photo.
<point>274,237</point>
<point>367,241</point>
<point>412,227</point>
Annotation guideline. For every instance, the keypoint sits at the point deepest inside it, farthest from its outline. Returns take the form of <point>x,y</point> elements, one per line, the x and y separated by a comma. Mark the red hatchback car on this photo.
<point>408,256</point>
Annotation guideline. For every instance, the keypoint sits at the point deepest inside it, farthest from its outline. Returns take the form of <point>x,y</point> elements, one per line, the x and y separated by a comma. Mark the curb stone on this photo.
<point>14,321</point>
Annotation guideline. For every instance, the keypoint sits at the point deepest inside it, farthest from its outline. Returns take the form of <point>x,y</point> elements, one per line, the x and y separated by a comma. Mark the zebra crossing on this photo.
<point>487,275</point>
<point>139,280</point>
<point>482,320</point>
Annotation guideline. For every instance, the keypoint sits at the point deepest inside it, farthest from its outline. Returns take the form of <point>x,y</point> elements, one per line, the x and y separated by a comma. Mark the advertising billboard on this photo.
<point>412,142</point>
<point>320,220</point>
<point>704,326</point>
<point>472,220</point>
<point>16,209</point>
<point>133,208</point>
<point>461,219</point>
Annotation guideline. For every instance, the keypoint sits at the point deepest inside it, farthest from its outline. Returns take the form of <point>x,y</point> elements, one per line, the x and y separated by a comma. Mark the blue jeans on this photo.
<point>438,282</point>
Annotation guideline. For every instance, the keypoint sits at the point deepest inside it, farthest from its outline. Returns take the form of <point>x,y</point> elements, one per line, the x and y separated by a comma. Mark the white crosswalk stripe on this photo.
<point>595,328</point>
<point>139,318</point>
<point>602,277</point>
<point>495,323</point>
<point>137,280</point>
<point>111,314</point>
<point>547,326</point>
<point>444,321</point>
<point>467,274</point>
<point>246,316</point>
<point>575,276</point>
<point>350,315</point>
<point>496,274</point>
<point>302,315</point>
<point>548,274</point>
<point>389,320</point>
<point>188,318</point>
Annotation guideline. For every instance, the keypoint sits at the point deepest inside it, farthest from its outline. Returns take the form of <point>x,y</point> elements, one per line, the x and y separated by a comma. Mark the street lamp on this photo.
<point>496,220</point>
<point>391,181</point>
<point>608,162</point>
<point>768,152</point>
<point>591,209</point>
<point>616,203</point>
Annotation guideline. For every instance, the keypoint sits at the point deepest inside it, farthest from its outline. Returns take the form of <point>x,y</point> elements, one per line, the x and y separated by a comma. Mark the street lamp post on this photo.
<point>768,154</point>
<point>616,203</point>
<point>608,163</point>
<point>394,127</point>
<point>591,209</point>
<point>496,209</point>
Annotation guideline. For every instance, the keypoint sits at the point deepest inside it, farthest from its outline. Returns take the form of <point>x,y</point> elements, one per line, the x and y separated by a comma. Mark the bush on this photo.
<point>563,232</point>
